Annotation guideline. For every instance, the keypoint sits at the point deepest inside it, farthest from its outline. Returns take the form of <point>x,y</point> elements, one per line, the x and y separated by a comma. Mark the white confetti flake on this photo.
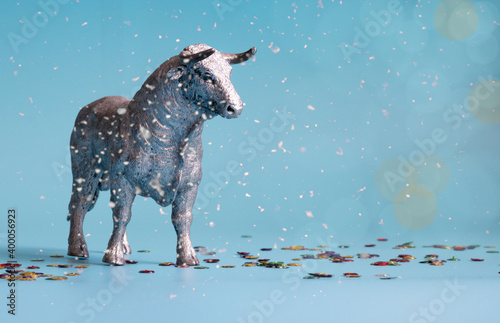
<point>146,134</point>
<point>275,49</point>
<point>280,146</point>
<point>309,214</point>
<point>310,107</point>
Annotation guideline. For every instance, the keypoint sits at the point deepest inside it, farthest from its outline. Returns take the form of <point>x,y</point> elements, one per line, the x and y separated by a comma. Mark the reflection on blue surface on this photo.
<point>363,119</point>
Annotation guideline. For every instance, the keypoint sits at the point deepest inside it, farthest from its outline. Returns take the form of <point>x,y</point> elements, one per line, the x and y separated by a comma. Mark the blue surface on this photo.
<point>334,101</point>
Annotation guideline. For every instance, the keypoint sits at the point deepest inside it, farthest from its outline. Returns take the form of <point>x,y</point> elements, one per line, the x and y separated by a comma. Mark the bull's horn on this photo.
<point>240,58</point>
<point>187,57</point>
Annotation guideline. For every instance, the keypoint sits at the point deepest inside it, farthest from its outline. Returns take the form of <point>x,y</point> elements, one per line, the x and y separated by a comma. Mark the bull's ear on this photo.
<point>176,72</point>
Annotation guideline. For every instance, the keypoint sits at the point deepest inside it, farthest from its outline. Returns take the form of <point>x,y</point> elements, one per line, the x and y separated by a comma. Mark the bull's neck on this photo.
<point>166,122</point>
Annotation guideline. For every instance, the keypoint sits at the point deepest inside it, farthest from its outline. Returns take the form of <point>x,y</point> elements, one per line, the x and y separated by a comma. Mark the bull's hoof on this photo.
<point>187,259</point>
<point>114,256</point>
<point>78,249</point>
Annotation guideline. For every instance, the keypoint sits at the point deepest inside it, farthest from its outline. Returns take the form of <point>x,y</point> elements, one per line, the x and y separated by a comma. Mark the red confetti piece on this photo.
<point>369,245</point>
<point>382,239</point>
<point>130,261</point>
<point>400,260</point>
<point>476,259</point>
<point>380,263</point>
<point>211,260</point>
<point>147,271</point>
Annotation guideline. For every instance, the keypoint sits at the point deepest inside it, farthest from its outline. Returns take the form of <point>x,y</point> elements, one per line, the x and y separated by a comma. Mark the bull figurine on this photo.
<point>150,146</point>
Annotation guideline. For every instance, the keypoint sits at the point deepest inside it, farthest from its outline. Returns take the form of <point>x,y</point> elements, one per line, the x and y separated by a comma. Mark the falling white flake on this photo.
<point>275,49</point>
<point>146,133</point>
<point>310,107</point>
<point>309,214</point>
<point>280,146</point>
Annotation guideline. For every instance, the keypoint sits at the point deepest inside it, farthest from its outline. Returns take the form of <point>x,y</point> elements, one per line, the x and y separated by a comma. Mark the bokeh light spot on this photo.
<point>484,101</point>
<point>456,19</point>
<point>434,174</point>
<point>392,176</point>
<point>415,207</point>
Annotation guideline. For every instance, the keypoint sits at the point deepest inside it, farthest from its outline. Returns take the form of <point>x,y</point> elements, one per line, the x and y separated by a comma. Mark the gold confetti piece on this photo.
<point>167,264</point>
<point>57,278</point>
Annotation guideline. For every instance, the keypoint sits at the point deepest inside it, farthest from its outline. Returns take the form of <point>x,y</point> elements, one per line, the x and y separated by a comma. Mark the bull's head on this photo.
<point>203,76</point>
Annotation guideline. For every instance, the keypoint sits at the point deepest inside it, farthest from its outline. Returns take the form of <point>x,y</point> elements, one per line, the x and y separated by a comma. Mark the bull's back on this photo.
<point>96,114</point>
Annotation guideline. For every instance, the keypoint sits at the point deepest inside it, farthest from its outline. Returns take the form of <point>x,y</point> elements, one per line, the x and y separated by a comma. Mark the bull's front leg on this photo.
<point>122,197</point>
<point>182,216</point>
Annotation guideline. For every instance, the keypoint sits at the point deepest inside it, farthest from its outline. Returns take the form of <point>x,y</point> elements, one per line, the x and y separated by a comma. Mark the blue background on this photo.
<point>310,179</point>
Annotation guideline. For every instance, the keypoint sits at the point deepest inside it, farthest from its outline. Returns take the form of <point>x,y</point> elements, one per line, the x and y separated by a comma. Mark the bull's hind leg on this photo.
<point>122,197</point>
<point>83,197</point>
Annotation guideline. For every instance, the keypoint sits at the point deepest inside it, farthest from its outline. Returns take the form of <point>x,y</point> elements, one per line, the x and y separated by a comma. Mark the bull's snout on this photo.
<point>231,111</point>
